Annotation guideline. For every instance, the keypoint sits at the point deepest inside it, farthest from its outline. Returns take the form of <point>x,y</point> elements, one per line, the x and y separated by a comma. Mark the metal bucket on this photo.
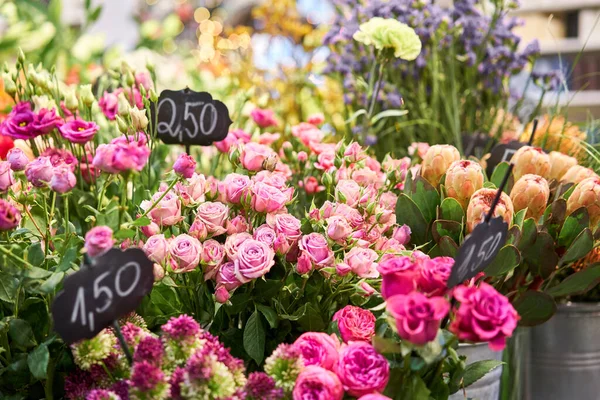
<point>565,354</point>
<point>488,387</point>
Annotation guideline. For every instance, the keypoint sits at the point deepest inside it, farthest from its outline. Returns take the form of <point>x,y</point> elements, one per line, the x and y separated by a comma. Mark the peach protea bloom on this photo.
<point>480,204</point>
<point>531,160</point>
<point>586,194</point>
<point>463,178</point>
<point>531,192</point>
<point>560,164</point>
<point>577,173</point>
<point>437,160</point>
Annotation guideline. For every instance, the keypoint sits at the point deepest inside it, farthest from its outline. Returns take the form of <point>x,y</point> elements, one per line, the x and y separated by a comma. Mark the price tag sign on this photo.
<point>478,250</point>
<point>97,295</point>
<point>501,153</point>
<point>191,118</point>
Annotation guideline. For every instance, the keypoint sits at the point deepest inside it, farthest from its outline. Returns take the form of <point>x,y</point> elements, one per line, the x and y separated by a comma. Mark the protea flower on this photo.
<point>437,160</point>
<point>560,164</point>
<point>463,178</point>
<point>531,160</point>
<point>587,194</point>
<point>480,203</point>
<point>556,134</point>
<point>531,192</point>
<point>577,173</point>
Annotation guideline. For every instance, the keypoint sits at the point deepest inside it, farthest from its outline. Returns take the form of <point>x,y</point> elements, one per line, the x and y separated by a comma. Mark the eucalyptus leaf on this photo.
<point>520,217</point>
<point>426,197</point>
<point>578,283</point>
<point>452,210</point>
<point>448,247</point>
<point>574,224</point>
<point>443,228</point>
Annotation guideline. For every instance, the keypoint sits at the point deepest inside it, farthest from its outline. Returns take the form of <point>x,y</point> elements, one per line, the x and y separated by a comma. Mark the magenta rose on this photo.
<point>214,215</point>
<point>285,224</point>
<point>318,348</point>
<point>63,179</point>
<point>254,259</point>
<point>263,118</point>
<point>253,155</point>
<point>157,249</point>
<point>347,191</point>
<point>166,212</point>
<point>233,243</point>
<point>39,171</point>
<point>109,104</point>
<point>434,274</point>
<point>236,186</point>
<point>361,261</point>
<point>17,158</point>
<point>6,176</point>
<point>98,240</point>
<point>265,234</point>
<point>355,324</point>
<point>417,317</point>
<point>185,166</point>
<point>267,199</point>
<point>212,256</point>
<point>316,383</point>
<point>185,251</point>
<point>361,369</point>
<point>78,131</point>
<point>338,228</point>
<point>226,277</point>
<point>316,246</point>
<point>484,315</point>
<point>9,216</point>
<point>399,275</point>
<point>304,264</point>
<point>374,396</point>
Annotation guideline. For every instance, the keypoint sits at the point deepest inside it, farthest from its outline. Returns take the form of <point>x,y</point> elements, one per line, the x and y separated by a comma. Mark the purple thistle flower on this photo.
<point>149,349</point>
<point>146,377</point>
<point>261,386</point>
<point>182,327</point>
<point>77,384</point>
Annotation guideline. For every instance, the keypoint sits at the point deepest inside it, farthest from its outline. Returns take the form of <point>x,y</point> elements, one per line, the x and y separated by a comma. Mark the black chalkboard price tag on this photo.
<point>501,153</point>
<point>191,118</point>
<point>97,295</point>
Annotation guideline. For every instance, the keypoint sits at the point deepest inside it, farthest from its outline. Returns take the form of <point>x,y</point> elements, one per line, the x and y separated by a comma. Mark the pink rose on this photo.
<point>374,396</point>
<point>166,212</point>
<point>226,277</point>
<point>267,199</point>
<point>281,245</point>
<point>317,383</point>
<point>242,135</point>
<point>434,275</point>
<point>285,224</point>
<point>355,324</point>
<point>274,179</point>
<point>236,186</point>
<point>214,216</point>
<point>185,251</point>
<point>362,262</point>
<point>354,152</point>
<point>302,156</point>
<point>484,315</point>
<point>39,171</point>
<point>149,230</point>
<point>368,289</point>
<point>338,228</point>
<point>9,216</point>
<point>304,265</point>
<point>212,257</point>
<point>221,295</point>
<point>399,275</point>
<point>198,230</point>
<point>254,259</point>
<point>265,234</point>
<point>196,187</point>
<point>63,179</point>
<point>98,240</point>
<point>233,242</point>
<point>308,133</point>
<point>269,138</point>
<point>237,225</point>
<point>185,166</point>
<point>263,117</point>
<point>253,155</point>
<point>158,271</point>
<point>402,234</point>
<point>317,348</point>
<point>328,208</point>
<point>325,161</point>
<point>225,145</point>
<point>17,158</point>
<point>316,119</point>
<point>342,269</point>
<point>361,369</point>
<point>348,191</point>
<point>78,131</point>
<point>316,246</point>
<point>311,185</point>
<point>354,218</point>
<point>157,249</point>
<point>7,177</point>
<point>388,201</point>
<point>417,317</point>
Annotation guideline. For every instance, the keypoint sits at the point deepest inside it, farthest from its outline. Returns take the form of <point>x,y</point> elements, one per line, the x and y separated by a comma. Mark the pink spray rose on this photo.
<point>226,277</point>
<point>236,186</point>
<point>98,240</point>
<point>338,228</point>
<point>265,234</point>
<point>362,262</point>
<point>6,176</point>
<point>185,251</point>
<point>63,179</point>
<point>402,234</point>
<point>347,191</point>
<point>417,317</point>
<point>434,274</point>
<point>355,324</point>
<point>39,171</point>
<point>214,215</point>
<point>361,369</point>
<point>267,199</point>
<point>302,156</point>
<point>307,133</point>
<point>316,383</point>
<point>157,249</point>
<point>315,245</point>
<point>354,152</point>
<point>233,242</point>
<point>225,145</point>
<point>167,211</point>
<point>198,230</point>
<point>237,225</point>
<point>285,224</point>
<point>367,289</point>
<point>254,259</point>
<point>253,155</point>
<point>352,215</point>
<point>263,117</point>
<point>325,161</point>
<point>317,348</point>
<point>79,131</point>
<point>316,119</point>
<point>399,275</point>
<point>211,257</point>
<point>484,315</point>
<point>304,264</point>
<point>9,216</point>
<point>196,187</point>
<point>281,244</point>
<point>221,295</point>
<point>17,158</point>
<point>185,166</point>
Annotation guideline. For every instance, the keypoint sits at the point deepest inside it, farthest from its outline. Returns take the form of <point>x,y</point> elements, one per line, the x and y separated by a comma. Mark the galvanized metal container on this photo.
<point>565,354</point>
<point>488,387</point>
<point>515,373</point>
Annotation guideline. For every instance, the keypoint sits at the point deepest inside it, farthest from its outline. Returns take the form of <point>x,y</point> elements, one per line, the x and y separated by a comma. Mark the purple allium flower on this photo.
<point>101,394</point>
<point>121,388</point>
<point>146,377</point>
<point>132,333</point>
<point>77,384</point>
<point>182,327</point>
<point>199,367</point>
<point>177,378</point>
<point>261,386</point>
<point>284,366</point>
<point>98,372</point>
<point>149,349</point>
<point>222,353</point>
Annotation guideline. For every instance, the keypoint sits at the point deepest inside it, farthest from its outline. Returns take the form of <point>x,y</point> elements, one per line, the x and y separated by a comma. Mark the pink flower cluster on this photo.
<point>109,103</point>
<point>125,153</point>
<point>23,123</point>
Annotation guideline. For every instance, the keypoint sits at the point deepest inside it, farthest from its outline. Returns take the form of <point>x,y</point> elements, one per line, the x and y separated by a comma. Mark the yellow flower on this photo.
<point>556,134</point>
<point>390,34</point>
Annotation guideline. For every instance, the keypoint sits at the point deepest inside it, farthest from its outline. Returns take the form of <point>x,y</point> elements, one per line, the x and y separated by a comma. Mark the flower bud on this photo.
<point>586,194</point>
<point>480,204</point>
<point>437,160</point>
<point>71,100</point>
<point>129,78</point>
<point>21,56</point>
<point>139,119</point>
<point>86,95</point>
<point>531,192</point>
<point>270,163</point>
<point>531,160</point>
<point>9,84</point>
<point>577,173</point>
<point>463,178</point>
<point>153,96</point>
<point>123,105</point>
<point>560,164</point>
<point>121,124</point>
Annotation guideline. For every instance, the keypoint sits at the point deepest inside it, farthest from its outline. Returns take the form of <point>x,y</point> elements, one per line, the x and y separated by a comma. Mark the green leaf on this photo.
<point>507,259</point>
<point>408,213</point>
<point>68,259</point>
<point>388,114</point>
<point>55,11</point>
<point>8,287</point>
<point>50,285</point>
<point>356,114</point>
<point>541,255</point>
<point>238,303</point>
<point>448,247</point>
<point>269,314</point>
<point>312,321</point>
<point>35,254</point>
<point>535,308</point>
<point>578,283</point>
<point>499,173</point>
<point>20,332</point>
<point>165,298</point>
<point>478,370</point>
<point>574,224</point>
<point>426,197</point>
<point>443,228</point>
<point>528,234</point>
<point>254,338</point>
<point>520,218</point>
<point>93,16</point>
<point>385,345</point>
<point>38,360</point>
<point>451,210</point>
<point>142,221</point>
<point>412,388</point>
<point>583,244</point>
<point>37,273</point>
<point>554,217</point>
<point>124,234</point>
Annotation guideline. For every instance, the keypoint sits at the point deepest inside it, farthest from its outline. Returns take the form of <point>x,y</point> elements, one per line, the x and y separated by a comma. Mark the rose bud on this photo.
<point>437,160</point>
<point>531,160</point>
<point>560,164</point>
<point>531,192</point>
<point>17,158</point>
<point>463,178</point>
<point>480,204</point>
<point>577,173</point>
<point>586,194</point>
<point>185,166</point>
